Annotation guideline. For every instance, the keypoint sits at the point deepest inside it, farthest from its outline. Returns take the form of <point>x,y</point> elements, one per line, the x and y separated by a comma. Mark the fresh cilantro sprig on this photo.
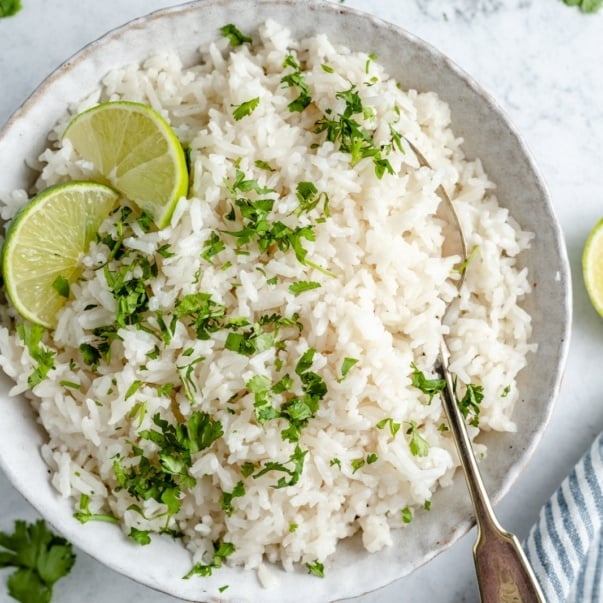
<point>40,559</point>
<point>418,445</point>
<point>469,404</point>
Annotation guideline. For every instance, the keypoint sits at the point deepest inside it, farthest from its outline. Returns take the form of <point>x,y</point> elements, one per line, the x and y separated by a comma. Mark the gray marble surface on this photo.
<point>542,61</point>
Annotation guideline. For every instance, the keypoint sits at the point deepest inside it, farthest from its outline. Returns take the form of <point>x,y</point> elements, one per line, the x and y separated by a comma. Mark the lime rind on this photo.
<point>135,148</point>
<point>592,266</point>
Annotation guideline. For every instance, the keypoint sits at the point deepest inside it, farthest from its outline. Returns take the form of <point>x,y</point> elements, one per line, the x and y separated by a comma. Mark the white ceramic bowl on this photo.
<point>487,135</point>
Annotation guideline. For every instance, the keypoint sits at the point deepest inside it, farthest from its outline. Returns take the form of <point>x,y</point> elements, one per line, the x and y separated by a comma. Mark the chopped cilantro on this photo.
<point>264,166</point>
<point>327,68</point>
<point>586,6</point>
<point>293,527</point>
<point>406,515</point>
<point>335,462</point>
<point>61,286</point>
<point>316,568</point>
<point>227,497</point>
<point>417,443</point>
<point>301,286</point>
<point>352,137</point>
<point>346,366</point>
<point>506,391</point>
<point>205,315</point>
<point>393,426</point>
<point>8,8</point>
<point>221,551</point>
<point>296,459</point>
<point>431,387</point>
<point>247,468</point>
<point>371,458</point>
<point>134,387</point>
<point>32,335</point>
<point>469,404</point>
<point>427,505</point>
<point>357,464</point>
<point>234,35</point>
<point>40,559</point>
<point>84,515</point>
<point>141,536</point>
<point>296,79</point>
<point>246,108</point>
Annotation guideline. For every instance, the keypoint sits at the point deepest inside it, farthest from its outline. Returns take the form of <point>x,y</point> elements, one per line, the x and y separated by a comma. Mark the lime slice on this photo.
<point>592,266</point>
<point>44,243</point>
<point>135,149</point>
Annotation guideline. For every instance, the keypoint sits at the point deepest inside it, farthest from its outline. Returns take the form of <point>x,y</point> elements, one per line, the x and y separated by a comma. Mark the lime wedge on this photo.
<point>44,244</point>
<point>137,151</point>
<point>592,266</point>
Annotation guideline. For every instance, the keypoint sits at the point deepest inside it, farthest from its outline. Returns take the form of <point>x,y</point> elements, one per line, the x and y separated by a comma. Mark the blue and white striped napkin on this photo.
<point>565,546</point>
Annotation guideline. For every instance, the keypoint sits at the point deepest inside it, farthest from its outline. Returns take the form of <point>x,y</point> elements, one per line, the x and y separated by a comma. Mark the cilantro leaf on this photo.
<point>140,536</point>
<point>346,365</point>
<point>431,387</point>
<point>301,286</point>
<point>316,568</point>
<point>61,286</point>
<point>32,335</point>
<point>234,35</point>
<point>246,108</point>
<point>586,6</point>
<point>469,404</point>
<point>8,8</point>
<point>406,515</point>
<point>417,443</point>
<point>40,557</point>
<point>221,551</point>
<point>296,79</point>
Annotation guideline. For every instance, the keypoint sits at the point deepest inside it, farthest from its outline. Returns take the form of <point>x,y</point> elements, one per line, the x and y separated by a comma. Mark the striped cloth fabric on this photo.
<point>565,546</point>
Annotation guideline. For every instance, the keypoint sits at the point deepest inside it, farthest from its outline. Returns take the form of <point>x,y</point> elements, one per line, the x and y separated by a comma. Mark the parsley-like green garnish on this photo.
<point>506,391</point>
<point>586,6</point>
<point>357,464</point>
<point>346,366</point>
<point>221,551</point>
<point>301,286</point>
<point>40,559</point>
<point>32,335</point>
<point>406,515</point>
<point>227,497</point>
<point>204,314</point>
<point>335,462</point>
<point>316,568</point>
<point>8,8</point>
<point>143,537</point>
<point>393,426</point>
<point>246,108</point>
<point>296,460</point>
<point>84,515</point>
<point>469,404</point>
<point>263,165</point>
<point>234,35</point>
<point>431,387</point>
<point>61,285</point>
<point>296,79</point>
<point>352,137</point>
<point>417,443</point>
<point>163,477</point>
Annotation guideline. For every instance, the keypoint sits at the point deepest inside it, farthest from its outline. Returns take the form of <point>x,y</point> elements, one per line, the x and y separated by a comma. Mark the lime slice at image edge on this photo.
<point>592,266</point>
<point>44,244</point>
<point>138,153</point>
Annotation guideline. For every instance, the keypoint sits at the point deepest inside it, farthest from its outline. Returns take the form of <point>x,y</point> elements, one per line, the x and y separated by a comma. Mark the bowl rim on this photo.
<point>324,5</point>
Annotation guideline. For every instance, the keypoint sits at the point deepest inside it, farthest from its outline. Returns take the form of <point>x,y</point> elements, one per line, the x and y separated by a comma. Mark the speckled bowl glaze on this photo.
<point>487,135</point>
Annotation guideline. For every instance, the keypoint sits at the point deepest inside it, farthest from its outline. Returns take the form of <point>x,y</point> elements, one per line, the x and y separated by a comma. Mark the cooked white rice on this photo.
<point>383,306</point>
